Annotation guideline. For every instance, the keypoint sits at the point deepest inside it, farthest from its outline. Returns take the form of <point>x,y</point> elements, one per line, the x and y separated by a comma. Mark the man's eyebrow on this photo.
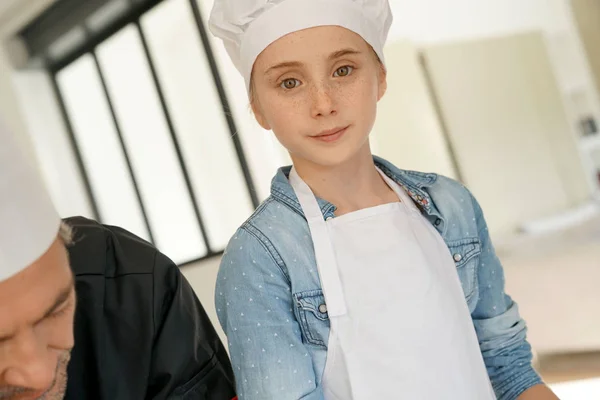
<point>60,299</point>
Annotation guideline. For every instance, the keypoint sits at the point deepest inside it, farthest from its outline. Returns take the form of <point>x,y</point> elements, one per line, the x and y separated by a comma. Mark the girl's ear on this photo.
<point>258,114</point>
<point>382,82</point>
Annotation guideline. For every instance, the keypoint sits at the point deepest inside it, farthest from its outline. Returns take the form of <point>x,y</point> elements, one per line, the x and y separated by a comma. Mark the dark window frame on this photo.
<point>92,40</point>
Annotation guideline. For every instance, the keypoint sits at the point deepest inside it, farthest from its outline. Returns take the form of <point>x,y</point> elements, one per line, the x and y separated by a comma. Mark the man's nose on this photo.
<point>31,363</point>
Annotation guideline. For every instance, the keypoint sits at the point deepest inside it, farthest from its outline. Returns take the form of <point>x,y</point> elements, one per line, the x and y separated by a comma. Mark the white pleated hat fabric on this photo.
<point>29,223</point>
<point>247,27</point>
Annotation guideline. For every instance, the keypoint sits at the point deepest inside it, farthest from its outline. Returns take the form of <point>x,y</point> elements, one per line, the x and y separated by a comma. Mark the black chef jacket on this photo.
<point>140,331</point>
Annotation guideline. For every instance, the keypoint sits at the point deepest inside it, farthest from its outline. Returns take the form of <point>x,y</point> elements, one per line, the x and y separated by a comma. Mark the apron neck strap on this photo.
<point>324,253</point>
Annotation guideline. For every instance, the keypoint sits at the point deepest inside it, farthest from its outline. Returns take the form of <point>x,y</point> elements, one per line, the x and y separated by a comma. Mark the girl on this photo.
<point>354,279</point>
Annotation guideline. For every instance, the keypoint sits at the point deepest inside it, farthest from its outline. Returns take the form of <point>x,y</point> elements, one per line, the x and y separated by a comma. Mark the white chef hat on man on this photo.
<point>247,27</point>
<point>29,223</point>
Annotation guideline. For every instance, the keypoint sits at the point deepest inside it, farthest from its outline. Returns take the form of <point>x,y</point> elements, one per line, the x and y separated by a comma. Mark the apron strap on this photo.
<point>324,254</point>
<point>408,202</point>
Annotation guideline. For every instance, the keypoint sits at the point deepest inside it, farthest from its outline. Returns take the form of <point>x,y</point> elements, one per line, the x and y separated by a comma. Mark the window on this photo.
<point>148,120</point>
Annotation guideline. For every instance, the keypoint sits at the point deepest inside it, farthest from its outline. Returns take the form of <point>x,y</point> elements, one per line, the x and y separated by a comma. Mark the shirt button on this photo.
<point>323,309</point>
<point>457,257</point>
<point>438,222</point>
<point>328,218</point>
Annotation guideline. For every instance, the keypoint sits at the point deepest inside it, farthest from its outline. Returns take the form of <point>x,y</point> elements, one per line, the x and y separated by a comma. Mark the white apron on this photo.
<point>400,325</point>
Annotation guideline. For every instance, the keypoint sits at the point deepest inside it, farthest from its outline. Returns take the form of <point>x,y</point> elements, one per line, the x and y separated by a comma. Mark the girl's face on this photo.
<point>318,89</point>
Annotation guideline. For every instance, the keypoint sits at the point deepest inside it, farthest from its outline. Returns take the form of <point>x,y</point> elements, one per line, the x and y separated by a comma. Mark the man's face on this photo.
<point>37,308</point>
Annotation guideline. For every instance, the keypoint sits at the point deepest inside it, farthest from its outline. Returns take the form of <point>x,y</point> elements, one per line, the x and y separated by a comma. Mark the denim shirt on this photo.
<point>268,292</point>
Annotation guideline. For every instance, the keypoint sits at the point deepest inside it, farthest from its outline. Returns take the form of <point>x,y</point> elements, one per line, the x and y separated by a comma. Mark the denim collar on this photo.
<point>414,183</point>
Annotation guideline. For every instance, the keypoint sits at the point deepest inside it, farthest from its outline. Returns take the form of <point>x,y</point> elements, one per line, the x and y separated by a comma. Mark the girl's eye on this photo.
<point>290,83</point>
<point>343,71</point>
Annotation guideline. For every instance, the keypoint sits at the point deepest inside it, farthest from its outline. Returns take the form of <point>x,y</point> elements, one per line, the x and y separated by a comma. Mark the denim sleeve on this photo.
<point>255,309</point>
<point>500,328</point>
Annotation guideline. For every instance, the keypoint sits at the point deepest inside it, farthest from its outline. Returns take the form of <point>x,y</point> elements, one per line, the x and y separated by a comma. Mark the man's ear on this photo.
<point>382,84</point>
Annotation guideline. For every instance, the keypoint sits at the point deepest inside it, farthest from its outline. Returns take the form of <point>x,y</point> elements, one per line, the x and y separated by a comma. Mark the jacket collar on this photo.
<point>414,183</point>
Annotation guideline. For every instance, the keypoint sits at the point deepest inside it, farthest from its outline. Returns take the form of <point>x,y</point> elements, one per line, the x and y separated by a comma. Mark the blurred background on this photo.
<point>138,118</point>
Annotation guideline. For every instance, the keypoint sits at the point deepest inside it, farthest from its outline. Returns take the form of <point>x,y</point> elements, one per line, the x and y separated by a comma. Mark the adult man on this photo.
<point>89,311</point>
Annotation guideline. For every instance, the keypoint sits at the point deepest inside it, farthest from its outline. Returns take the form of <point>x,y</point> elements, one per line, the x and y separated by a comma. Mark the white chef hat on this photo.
<point>29,222</point>
<point>247,27</point>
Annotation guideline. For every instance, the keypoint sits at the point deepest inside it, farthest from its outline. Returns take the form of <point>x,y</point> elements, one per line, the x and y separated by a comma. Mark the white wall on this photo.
<point>428,22</point>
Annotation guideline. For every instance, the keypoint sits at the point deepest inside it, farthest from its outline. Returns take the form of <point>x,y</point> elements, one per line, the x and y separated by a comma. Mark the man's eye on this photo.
<point>60,312</point>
